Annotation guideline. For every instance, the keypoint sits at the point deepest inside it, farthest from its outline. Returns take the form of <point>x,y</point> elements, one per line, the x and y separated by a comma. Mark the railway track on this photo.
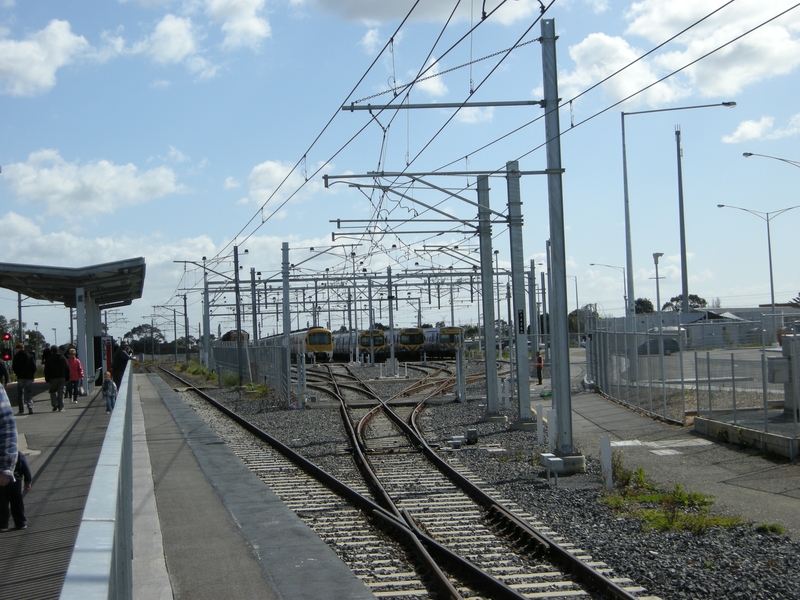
<point>489,548</point>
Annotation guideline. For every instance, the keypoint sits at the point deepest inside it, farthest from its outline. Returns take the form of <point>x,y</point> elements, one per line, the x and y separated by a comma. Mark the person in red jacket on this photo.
<point>75,375</point>
<point>538,362</point>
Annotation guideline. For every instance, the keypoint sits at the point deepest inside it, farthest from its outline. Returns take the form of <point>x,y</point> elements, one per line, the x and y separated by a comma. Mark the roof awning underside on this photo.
<point>110,284</point>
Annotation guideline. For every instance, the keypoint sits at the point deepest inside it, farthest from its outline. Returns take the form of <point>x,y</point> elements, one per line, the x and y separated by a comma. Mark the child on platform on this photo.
<point>109,392</point>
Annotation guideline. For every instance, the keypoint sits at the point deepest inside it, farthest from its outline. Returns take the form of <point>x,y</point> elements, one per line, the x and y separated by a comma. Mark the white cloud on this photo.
<point>371,10</point>
<point>28,67</point>
<point>749,130</point>
<point>18,228</point>
<point>599,55</point>
<point>762,130</point>
<point>475,115</point>
<point>72,190</point>
<point>265,178</point>
<point>174,41</point>
<point>241,22</point>
<point>231,183</point>
<point>769,51</point>
<point>176,155</point>
<point>598,6</point>
<point>371,41</point>
<point>433,86</point>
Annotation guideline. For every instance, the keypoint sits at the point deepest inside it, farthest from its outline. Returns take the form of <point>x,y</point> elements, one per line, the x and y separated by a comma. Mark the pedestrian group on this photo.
<point>63,372</point>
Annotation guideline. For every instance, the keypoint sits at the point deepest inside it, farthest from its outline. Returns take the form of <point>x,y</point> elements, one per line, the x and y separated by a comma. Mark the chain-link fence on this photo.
<point>265,361</point>
<point>678,370</point>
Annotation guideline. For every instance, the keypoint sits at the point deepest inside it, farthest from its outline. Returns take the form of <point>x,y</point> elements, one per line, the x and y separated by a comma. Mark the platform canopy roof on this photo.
<point>109,284</point>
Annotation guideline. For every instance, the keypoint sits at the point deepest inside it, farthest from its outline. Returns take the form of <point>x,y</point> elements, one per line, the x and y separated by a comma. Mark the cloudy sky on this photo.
<point>174,129</point>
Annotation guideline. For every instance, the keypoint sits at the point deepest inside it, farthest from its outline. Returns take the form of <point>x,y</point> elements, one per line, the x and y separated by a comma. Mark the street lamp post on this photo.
<point>656,256</point>
<point>625,294</point>
<point>767,217</point>
<point>794,163</point>
<point>631,306</point>
<point>55,336</point>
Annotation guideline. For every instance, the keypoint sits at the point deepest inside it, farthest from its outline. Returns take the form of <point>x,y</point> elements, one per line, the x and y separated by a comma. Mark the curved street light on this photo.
<point>631,308</point>
<point>794,163</point>
<point>767,217</point>
<point>624,282</point>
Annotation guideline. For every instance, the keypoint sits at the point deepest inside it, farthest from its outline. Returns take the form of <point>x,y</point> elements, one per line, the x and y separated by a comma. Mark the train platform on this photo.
<point>203,526</point>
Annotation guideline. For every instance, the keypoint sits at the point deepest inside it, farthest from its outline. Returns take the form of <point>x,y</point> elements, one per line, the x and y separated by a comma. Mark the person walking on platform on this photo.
<point>109,392</point>
<point>75,375</point>
<point>119,362</point>
<point>25,369</point>
<point>11,494</point>
<point>45,353</point>
<point>538,362</point>
<point>55,370</point>
<point>8,439</point>
<point>5,376</point>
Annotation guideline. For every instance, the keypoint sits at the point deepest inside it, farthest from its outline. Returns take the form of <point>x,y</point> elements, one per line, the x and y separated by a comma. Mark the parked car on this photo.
<point>651,346</point>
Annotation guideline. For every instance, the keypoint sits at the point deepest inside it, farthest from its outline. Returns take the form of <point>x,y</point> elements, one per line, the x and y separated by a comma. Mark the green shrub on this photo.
<point>230,379</point>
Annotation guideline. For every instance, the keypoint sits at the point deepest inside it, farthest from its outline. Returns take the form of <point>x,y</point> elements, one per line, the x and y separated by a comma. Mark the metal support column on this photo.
<point>518,290</point>
<point>560,356</point>
<point>287,323</point>
<point>485,237</point>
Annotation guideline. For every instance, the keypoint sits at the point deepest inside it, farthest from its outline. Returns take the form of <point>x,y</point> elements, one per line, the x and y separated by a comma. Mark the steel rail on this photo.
<point>498,589</point>
<point>369,507</point>
<point>592,578</point>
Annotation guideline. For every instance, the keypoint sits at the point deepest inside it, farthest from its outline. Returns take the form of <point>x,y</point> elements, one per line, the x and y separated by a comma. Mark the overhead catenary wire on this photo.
<point>499,170</point>
<point>380,205</point>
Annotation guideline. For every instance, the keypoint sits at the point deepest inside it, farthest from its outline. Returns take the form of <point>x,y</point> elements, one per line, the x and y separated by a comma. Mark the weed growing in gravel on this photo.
<point>195,368</point>
<point>771,528</point>
<point>257,389</point>
<point>663,511</point>
<point>619,473</point>
<point>230,379</point>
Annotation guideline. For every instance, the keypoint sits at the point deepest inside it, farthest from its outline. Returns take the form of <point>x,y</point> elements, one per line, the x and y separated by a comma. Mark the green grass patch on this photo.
<point>257,389</point>
<point>771,528</point>
<point>230,379</point>
<point>195,368</point>
<point>677,510</point>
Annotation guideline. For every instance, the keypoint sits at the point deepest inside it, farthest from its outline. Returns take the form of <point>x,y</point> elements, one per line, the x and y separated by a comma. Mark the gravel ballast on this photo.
<point>736,562</point>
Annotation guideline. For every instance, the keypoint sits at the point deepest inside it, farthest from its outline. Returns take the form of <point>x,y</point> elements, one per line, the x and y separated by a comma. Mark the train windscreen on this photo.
<point>412,338</point>
<point>319,338</point>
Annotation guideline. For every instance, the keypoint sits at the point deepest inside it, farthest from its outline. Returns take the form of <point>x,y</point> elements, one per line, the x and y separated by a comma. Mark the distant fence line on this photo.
<point>696,368</point>
<point>265,361</point>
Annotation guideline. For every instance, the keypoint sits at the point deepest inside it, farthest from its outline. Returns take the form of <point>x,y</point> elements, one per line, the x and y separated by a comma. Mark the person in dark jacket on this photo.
<point>5,376</point>
<point>45,353</point>
<point>55,371</point>
<point>119,362</point>
<point>11,494</point>
<point>24,368</point>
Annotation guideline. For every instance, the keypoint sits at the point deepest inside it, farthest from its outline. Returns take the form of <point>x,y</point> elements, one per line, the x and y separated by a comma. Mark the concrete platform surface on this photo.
<point>757,488</point>
<point>204,526</point>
